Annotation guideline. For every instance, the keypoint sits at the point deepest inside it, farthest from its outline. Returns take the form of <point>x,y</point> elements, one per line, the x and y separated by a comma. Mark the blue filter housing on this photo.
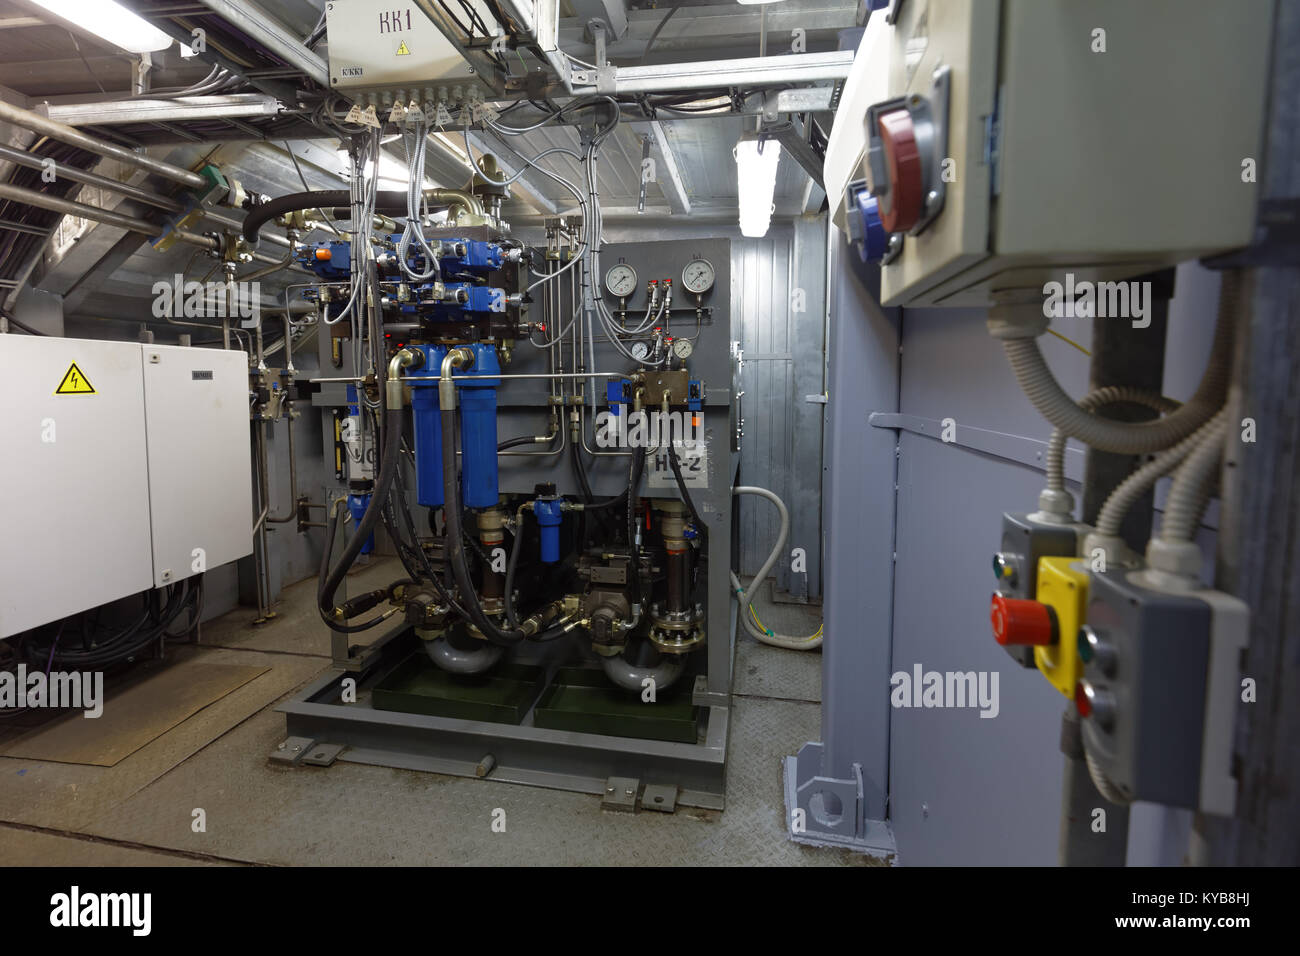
<point>428,426</point>
<point>478,430</point>
<point>549,512</point>
<point>357,505</point>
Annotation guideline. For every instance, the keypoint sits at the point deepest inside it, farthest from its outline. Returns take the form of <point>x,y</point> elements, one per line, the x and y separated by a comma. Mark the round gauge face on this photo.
<point>698,276</point>
<point>640,351</point>
<point>683,348</point>
<point>621,280</point>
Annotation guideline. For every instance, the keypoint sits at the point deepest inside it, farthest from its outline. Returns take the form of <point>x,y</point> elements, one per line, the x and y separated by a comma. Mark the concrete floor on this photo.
<point>141,811</point>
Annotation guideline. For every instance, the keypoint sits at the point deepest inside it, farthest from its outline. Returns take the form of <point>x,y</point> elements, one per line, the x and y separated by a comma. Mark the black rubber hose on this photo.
<point>511,563</point>
<point>455,549</point>
<point>389,462</point>
<point>454,541</point>
<point>633,481</point>
<point>389,202</point>
<point>515,442</point>
<point>681,482</point>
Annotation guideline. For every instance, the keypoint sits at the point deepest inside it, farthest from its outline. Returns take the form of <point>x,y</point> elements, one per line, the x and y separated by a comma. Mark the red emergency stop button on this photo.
<point>903,162</point>
<point>1020,622</point>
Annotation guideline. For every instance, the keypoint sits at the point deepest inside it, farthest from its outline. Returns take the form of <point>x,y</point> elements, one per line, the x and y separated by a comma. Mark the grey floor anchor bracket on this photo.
<point>828,811</point>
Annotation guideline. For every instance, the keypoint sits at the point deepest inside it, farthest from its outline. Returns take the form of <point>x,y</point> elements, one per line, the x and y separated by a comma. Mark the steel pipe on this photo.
<point>63,171</point>
<point>74,137</point>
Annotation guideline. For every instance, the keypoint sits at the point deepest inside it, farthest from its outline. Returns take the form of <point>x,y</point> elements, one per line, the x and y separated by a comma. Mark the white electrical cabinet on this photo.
<point>122,460</point>
<point>1104,139</point>
<point>391,45</point>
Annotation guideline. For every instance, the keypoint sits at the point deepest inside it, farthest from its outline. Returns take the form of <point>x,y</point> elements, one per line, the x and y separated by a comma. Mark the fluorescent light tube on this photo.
<point>110,21</point>
<point>756,184</point>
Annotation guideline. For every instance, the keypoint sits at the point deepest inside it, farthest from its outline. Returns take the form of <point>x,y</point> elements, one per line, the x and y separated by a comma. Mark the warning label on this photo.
<point>75,383</point>
<point>402,50</point>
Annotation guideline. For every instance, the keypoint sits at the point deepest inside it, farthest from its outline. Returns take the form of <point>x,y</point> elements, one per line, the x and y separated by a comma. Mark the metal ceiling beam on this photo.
<point>539,21</point>
<point>720,74</point>
<point>180,109</point>
<point>667,173</point>
<point>255,23</point>
<point>704,25</point>
<point>800,151</point>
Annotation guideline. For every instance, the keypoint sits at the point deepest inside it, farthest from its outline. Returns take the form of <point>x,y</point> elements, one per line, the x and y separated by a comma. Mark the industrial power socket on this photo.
<point>1160,687</point>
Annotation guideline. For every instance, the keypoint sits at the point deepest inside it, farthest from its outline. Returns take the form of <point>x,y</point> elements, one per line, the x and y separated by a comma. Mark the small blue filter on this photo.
<point>478,430</point>
<point>428,427</point>
<point>357,505</point>
<point>549,512</point>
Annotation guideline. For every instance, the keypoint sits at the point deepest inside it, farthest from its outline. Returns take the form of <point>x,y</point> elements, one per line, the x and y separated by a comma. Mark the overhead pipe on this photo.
<point>72,173</point>
<point>75,137</point>
<point>68,207</point>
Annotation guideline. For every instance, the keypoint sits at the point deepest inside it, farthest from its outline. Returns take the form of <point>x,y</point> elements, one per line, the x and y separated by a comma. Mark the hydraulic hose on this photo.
<point>1131,438</point>
<point>455,550</point>
<point>744,596</point>
<point>388,465</point>
<point>388,201</point>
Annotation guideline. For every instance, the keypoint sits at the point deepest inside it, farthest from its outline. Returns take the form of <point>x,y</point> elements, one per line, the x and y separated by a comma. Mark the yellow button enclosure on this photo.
<point>1062,586</point>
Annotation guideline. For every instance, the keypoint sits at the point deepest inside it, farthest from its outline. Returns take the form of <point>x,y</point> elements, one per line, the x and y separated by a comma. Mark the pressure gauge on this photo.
<point>683,348</point>
<point>640,351</point>
<point>698,276</point>
<point>621,280</point>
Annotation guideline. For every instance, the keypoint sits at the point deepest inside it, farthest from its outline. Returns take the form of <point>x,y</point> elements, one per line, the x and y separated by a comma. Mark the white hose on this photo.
<point>1111,516</point>
<point>769,637</point>
<point>1099,398</point>
<point>1194,483</point>
<point>1131,438</point>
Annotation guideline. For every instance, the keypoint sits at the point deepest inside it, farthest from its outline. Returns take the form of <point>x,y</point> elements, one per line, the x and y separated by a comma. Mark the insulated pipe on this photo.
<point>74,137</point>
<point>1018,330</point>
<point>743,595</point>
<point>628,676</point>
<point>455,660</point>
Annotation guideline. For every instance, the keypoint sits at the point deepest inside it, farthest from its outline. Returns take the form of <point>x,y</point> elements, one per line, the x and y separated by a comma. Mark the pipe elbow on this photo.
<point>455,660</point>
<point>632,678</point>
<point>405,358</point>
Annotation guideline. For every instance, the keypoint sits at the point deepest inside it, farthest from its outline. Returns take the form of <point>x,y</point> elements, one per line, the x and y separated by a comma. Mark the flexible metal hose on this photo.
<point>744,596</point>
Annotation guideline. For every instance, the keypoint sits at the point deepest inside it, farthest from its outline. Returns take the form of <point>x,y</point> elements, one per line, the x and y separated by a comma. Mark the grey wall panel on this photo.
<point>859,542</point>
<point>966,789</point>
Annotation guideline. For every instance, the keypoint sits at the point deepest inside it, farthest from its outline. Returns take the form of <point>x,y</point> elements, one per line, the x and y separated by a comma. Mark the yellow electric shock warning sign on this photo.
<point>75,383</point>
<point>402,50</point>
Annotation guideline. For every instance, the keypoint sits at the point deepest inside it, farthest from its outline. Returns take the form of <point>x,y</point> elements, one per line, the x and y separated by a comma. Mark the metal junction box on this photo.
<point>1105,139</point>
<point>122,459</point>
<point>390,45</point>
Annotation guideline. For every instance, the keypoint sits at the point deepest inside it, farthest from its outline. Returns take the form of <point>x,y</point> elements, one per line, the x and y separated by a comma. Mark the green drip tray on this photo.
<point>417,686</point>
<point>583,700</point>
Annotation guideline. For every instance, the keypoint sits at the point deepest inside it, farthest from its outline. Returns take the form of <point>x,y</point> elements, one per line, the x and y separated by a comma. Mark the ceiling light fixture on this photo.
<point>110,21</point>
<point>756,162</point>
